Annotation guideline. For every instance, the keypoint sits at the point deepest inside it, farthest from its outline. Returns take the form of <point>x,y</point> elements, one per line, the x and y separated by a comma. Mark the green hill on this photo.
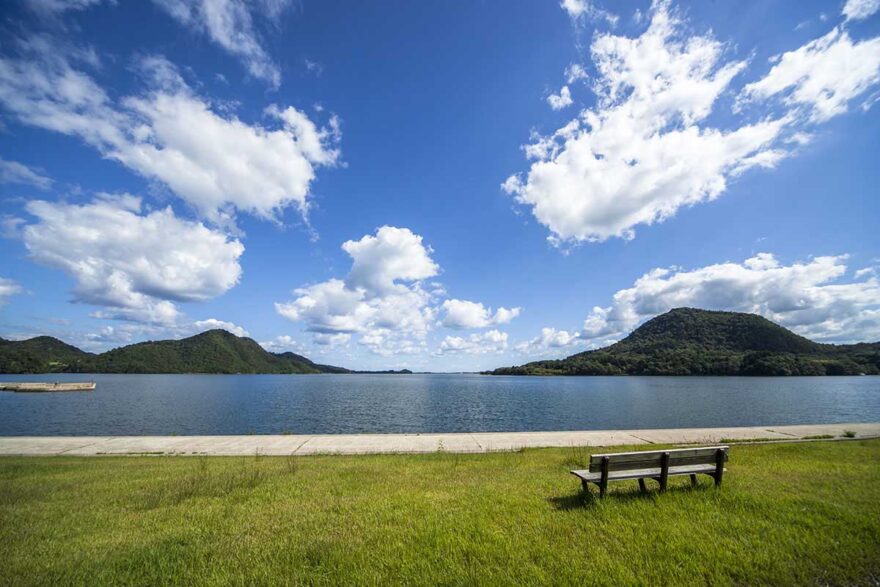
<point>40,354</point>
<point>214,351</point>
<point>689,341</point>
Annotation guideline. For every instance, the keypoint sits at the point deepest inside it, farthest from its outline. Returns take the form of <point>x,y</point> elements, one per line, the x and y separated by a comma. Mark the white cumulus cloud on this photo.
<point>860,9</point>
<point>384,300</point>
<point>392,255</point>
<point>216,162</point>
<point>492,341</point>
<point>282,344</point>
<point>642,153</point>
<point>580,9</point>
<point>648,148</point>
<point>810,297</point>
<point>549,339</point>
<point>560,100</point>
<point>135,264</point>
<point>381,300</point>
<point>119,334</point>
<point>461,314</point>
<point>213,324</point>
<point>575,72</point>
<point>824,75</point>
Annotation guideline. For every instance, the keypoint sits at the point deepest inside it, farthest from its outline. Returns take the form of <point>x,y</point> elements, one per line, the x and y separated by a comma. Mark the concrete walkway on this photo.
<point>403,443</point>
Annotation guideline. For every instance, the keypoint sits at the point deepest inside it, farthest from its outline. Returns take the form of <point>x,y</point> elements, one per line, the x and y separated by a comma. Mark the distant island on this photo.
<point>683,341</point>
<point>213,351</point>
<point>689,341</point>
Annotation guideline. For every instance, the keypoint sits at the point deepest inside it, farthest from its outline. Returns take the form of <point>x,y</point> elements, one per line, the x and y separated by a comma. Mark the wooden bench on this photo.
<point>658,465</point>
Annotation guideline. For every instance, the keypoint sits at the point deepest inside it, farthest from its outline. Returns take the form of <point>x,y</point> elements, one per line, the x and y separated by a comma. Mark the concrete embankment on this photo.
<point>411,443</point>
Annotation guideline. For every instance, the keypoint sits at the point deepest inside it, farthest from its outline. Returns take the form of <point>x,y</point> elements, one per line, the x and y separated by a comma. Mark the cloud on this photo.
<point>53,8</point>
<point>8,288</point>
<point>383,300</point>
<point>282,344</point>
<point>230,24</point>
<point>866,272</point>
<point>492,341</point>
<point>575,72</point>
<point>314,67</point>
<point>824,75</point>
<point>394,254</point>
<point>549,339</point>
<point>647,148</point>
<point>560,100</point>
<point>462,314</point>
<point>128,333</point>
<point>10,226</point>
<point>134,264</point>
<point>809,297</point>
<point>330,340</point>
<point>43,89</point>
<point>580,9</point>
<point>641,154</point>
<point>860,9</point>
<point>14,172</point>
<point>216,162</point>
<point>213,324</point>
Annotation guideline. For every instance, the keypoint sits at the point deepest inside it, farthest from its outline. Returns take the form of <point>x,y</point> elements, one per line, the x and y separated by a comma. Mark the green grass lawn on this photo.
<point>796,514</point>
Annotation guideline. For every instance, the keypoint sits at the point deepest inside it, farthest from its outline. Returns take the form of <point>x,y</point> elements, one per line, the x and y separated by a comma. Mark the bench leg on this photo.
<point>603,487</point>
<point>585,486</point>
<point>719,466</point>
<point>642,487</point>
<point>693,480</point>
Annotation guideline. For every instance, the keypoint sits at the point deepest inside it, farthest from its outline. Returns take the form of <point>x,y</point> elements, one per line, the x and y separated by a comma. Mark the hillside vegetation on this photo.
<point>688,341</point>
<point>214,351</point>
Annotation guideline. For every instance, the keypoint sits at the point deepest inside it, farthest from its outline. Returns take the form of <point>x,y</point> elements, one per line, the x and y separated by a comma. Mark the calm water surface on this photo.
<point>315,404</point>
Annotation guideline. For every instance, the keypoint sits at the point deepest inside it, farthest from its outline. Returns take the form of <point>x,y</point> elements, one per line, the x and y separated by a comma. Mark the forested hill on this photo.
<point>214,351</point>
<point>689,341</point>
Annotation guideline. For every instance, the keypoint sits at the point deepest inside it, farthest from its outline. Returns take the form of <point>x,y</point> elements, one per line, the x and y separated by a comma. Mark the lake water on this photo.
<point>316,404</point>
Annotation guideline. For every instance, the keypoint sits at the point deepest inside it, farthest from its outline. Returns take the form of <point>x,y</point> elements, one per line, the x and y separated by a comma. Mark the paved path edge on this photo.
<point>466,442</point>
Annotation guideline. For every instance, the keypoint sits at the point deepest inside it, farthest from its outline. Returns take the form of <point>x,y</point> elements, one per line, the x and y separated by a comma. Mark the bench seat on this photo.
<point>658,465</point>
<point>645,473</point>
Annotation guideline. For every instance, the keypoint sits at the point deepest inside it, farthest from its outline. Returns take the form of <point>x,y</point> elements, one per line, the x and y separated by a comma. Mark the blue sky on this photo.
<point>443,186</point>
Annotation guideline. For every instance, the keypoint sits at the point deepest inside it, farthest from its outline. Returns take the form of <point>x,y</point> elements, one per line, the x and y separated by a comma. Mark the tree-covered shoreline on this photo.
<point>688,341</point>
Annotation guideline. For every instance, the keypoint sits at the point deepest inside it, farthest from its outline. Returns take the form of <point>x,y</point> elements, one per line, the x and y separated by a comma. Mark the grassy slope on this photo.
<point>793,514</point>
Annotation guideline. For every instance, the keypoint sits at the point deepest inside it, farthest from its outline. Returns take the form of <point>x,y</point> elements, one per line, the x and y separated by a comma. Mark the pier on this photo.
<point>35,387</point>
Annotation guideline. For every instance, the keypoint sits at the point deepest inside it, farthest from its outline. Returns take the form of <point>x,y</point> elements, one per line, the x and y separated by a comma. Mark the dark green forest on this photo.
<point>214,351</point>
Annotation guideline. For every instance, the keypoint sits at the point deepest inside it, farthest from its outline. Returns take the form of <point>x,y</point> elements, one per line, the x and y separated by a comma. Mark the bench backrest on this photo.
<point>628,461</point>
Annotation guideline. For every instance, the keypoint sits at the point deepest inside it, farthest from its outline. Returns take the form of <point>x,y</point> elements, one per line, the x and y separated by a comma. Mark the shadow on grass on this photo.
<point>589,499</point>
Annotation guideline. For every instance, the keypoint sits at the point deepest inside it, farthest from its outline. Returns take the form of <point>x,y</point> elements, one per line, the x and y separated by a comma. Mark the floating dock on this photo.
<point>27,387</point>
